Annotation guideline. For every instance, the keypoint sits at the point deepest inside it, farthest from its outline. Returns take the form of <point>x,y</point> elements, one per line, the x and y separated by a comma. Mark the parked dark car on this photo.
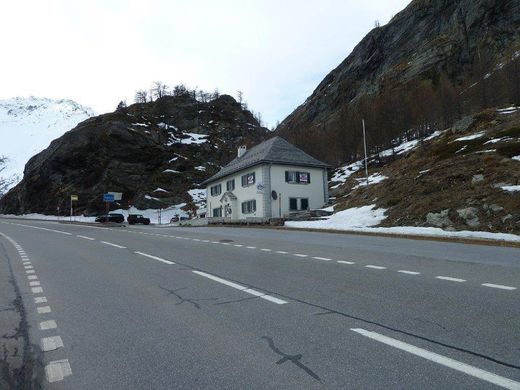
<point>176,218</point>
<point>112,217</point>
<point>138,218</point>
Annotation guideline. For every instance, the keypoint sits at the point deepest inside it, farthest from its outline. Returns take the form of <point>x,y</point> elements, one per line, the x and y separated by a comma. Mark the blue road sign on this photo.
<point>108,197</point>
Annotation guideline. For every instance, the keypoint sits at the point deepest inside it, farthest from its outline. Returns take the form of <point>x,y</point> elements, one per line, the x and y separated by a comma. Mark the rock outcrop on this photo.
<point>151,152</point>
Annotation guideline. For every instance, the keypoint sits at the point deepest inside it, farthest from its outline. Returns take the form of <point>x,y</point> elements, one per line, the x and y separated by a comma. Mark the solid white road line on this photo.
<point>443,360</point>
<point>57,370</point>
<point>408,272</point>
<point>43,309</point>
<point>114,245</point>
<point>155,258</point>
<point>346,262</point>
<point>46,325</point>
<point>241,288</point>
<point>37,290</point>
<point>85,237</point>
<point>51,343</point>
<point>321,258</point>
<point>499,286</point>
<point>282,252</point>
<point>40,299</point>
<point>299,255</point>
<point>374,266</point>
<point>449,278</point>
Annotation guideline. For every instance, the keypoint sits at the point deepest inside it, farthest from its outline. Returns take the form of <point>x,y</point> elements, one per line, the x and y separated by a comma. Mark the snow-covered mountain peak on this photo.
<point>29,124</point>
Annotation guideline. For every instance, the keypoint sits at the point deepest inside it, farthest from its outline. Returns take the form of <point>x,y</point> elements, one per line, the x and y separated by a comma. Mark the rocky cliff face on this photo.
<point>429,38</point>
<point>153,153</point>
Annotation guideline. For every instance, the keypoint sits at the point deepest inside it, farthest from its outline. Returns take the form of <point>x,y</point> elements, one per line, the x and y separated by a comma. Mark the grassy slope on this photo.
<point>451,182</point>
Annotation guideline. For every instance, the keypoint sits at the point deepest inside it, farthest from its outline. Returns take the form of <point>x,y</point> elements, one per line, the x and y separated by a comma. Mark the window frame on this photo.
<point>216,190</point>
<point>297,177</point>
<point>246,209</point>
<point>227,185</point>
<point>219,209</point>
<point>244,179</point>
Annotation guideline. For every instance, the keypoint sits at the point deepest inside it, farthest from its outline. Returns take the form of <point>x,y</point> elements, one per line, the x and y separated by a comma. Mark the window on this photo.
<point>216,190</point>
<point>296,204</point>
<point>230,185</point>
<point>217,212</point>
<point>295,177</point>
<point>249,207</point>
<point>248,180</point>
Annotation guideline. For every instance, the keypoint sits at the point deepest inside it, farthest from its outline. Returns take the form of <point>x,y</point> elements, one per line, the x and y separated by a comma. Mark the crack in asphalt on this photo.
<point>30,374</point>
<point>294,359</point>
<point>181,299</point>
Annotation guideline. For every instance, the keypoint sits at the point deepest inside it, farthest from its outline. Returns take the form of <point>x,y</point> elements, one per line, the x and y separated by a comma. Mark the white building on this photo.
<point>271,180</point>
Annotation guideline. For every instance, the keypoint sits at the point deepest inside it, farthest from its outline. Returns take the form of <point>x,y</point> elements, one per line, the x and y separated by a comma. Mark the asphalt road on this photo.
<point>174,308</point>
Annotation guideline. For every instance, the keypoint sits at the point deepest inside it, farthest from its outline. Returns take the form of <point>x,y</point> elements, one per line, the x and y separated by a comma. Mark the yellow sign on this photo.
<point>74,197</point>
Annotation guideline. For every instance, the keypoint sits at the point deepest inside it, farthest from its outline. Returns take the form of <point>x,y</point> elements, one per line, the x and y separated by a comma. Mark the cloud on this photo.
<point>99,52</point>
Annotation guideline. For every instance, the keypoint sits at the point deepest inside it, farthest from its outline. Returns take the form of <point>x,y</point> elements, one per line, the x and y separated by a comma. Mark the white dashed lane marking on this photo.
<point>85,237</point>
<point>300,255</point>
<point>37,290</point>
<point>265,250</point>
<point>499,286</point>
<point>241,288</point>
<point>51,343</point>
<point>442,360</point>
<point>43,309</point>
<point>155,258</point>
<point>321,258</point>
<point>346,262</point>
<point>409,272</point>
<point>282,252</point>
<point>32,277</point>
<point>114,245</point>
<point>34,283</point>
<point>449,278</point>
<point>57,370</point>
<point>40,300</point>
<point>374,266</point>
<point>46,325</point>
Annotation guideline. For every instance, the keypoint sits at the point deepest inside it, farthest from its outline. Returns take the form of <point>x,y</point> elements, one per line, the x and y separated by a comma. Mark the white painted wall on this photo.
<point>242,193</point>
<point>313,191</point>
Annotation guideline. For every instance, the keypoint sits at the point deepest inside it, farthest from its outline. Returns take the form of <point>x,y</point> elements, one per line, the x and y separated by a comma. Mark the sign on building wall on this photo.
<point>260,188</point>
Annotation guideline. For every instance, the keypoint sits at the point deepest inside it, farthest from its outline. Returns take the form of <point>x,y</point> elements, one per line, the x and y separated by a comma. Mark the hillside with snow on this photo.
<point>458,182</point>
<point>28,125</point>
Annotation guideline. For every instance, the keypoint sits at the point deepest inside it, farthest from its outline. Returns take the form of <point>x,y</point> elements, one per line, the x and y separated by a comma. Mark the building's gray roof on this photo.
<point>275,150</point>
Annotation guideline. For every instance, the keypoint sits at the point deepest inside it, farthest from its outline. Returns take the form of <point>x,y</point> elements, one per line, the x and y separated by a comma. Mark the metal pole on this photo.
<point>71,209</point>
<point>280,204</point>
<point>365,146</point>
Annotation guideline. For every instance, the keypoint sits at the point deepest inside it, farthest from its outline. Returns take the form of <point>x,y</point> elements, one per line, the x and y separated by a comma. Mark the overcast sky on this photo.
<point>99,52</point>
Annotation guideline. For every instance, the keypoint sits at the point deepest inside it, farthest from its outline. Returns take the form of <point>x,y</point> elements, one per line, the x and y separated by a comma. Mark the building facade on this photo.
<point>272,180</point>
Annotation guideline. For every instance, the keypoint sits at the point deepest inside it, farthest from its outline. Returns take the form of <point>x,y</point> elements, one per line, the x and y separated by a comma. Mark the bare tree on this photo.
<point>159,89</point>
<point>180,90</point>
<point>141,96</point>
<point>377,24</point>
<point>240,96</point>
<point>216,94</point>
<point>121,106</point>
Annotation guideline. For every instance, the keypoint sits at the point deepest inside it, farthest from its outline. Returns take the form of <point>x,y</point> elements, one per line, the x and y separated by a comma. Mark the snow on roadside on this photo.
<point>364,219</point>
<point>355,217</point>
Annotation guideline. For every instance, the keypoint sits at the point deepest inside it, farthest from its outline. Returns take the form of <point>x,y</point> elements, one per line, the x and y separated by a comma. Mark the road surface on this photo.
<point>174,308</point>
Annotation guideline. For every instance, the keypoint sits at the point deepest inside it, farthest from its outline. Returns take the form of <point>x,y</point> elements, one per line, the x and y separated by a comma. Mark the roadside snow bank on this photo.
<point>355,217</point>
<point>364,219</point>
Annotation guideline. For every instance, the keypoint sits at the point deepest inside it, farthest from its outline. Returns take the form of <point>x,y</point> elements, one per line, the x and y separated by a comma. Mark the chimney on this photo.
<point>241,150</point>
